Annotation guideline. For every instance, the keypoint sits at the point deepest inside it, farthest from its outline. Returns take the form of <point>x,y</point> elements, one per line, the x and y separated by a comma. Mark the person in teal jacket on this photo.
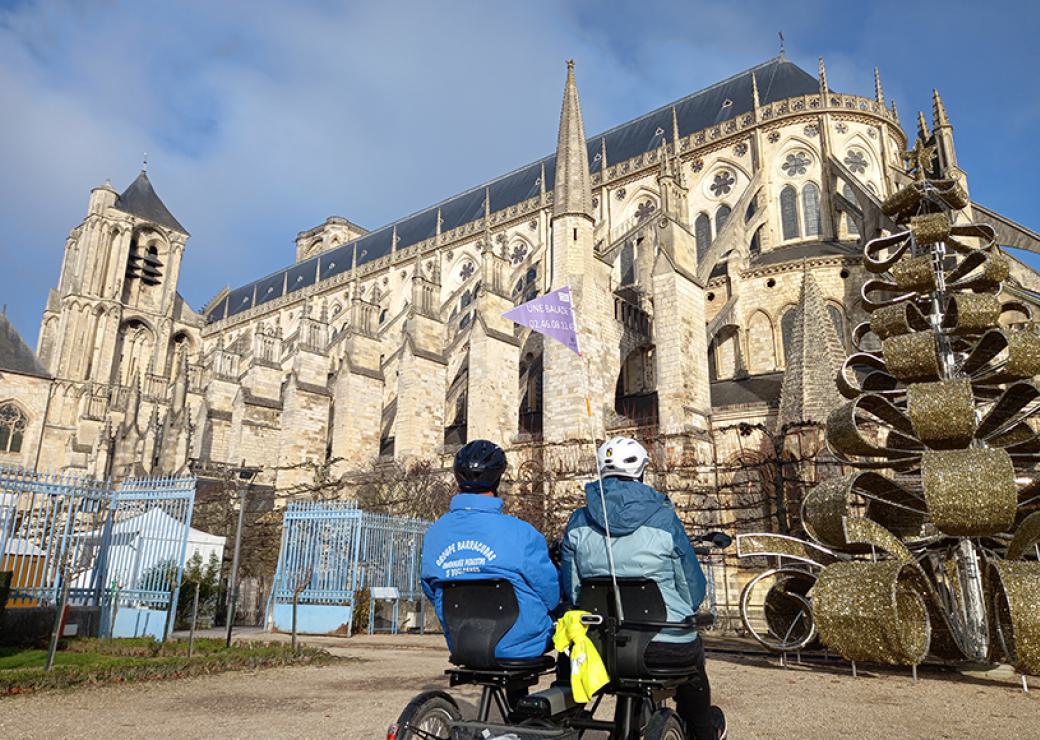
<point>475,540</point>
<point>648,541</point>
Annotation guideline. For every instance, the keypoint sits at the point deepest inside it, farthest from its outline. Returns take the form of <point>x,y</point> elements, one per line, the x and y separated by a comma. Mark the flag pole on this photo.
<point>599,473</point>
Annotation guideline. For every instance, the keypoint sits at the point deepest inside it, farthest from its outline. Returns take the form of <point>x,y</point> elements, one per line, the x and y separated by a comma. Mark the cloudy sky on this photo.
<point>262,118</point>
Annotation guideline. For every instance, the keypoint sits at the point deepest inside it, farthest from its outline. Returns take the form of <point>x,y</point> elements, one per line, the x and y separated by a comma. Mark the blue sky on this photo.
<point>261,119</point>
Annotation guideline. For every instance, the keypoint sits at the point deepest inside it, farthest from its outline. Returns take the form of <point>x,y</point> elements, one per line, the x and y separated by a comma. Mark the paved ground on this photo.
<point>359,697</point>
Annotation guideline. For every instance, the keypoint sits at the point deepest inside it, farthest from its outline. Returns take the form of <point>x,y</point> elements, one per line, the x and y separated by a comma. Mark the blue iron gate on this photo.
<point>121,546</point>
<point>333,552</point>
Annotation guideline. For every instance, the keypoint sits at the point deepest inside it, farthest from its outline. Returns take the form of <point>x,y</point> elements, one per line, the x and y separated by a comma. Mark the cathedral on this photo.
<point>712,247</point>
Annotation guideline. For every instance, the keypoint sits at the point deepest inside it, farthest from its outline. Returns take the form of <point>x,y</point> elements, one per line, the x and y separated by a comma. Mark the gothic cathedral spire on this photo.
<point>572,191</point>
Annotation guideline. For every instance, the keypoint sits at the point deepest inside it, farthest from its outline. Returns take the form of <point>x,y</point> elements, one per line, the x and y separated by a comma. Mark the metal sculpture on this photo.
<point>931,546</point>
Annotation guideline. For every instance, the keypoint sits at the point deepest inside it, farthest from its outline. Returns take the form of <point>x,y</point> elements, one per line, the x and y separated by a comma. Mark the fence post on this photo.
<point>295,603</point>
<point>59,619</point>
<point>194,617</point>
<point>233,578</point>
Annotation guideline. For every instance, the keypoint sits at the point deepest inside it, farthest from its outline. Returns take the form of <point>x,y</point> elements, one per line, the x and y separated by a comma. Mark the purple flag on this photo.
<point>551,314</point>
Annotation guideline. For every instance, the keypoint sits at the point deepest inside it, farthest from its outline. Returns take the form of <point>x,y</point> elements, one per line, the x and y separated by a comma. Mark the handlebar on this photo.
<point>697,620</point>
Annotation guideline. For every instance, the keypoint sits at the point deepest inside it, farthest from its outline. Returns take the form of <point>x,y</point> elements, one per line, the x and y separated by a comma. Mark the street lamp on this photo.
<point>245,476</point>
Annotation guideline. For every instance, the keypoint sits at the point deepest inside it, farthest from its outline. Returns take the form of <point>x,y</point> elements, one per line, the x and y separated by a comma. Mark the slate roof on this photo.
<point>757,389</point>
<point>141,200</point>
<point>15,355</point>
<point>777,79</point>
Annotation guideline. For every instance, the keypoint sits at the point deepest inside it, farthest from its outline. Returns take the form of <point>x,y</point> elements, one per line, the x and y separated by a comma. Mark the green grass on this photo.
<point>87,661</point>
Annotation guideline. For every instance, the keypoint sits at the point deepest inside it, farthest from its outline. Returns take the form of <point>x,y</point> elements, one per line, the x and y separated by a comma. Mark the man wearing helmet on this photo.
<point>648,541</point>
<point>475,540</point>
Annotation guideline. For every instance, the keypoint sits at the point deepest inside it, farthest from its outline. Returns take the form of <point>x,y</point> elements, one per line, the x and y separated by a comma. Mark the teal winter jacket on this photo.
<point>648,541</point>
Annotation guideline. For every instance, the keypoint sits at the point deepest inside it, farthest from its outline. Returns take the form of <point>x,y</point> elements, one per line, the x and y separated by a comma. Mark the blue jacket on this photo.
<point>476,540</point>
<point>648,541</point>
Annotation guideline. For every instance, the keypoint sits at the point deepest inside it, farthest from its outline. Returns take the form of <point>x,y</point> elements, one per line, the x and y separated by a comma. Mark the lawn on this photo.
<point>91,661</point>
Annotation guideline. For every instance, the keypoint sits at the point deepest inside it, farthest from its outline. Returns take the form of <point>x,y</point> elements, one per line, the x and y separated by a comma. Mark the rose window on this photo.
<point>723,183</point>
<point>467,270</point>
<point>645,210</point>
<point>795,163</point>
<point>856,161</point>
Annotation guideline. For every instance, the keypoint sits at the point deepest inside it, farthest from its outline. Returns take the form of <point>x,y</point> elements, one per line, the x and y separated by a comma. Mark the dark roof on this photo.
<point>806,251</point>
<point>15,355</point>
<point>777,79</point>
<point>756,389</point>
<point>140,200</point>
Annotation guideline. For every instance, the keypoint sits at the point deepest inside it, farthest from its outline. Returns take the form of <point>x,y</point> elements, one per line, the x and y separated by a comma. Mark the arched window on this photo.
<point>787,332</point>
<point>850,222</point>
<point>789,213</point>
<point>702,232</point>
<point>755,248</point>
<point>12,428</point>
<point>839,323</point>
<point>466,299</point>
<point>628,263</point>
<point>811,208</point>
<point>382,316</point>
<point>720,217</point>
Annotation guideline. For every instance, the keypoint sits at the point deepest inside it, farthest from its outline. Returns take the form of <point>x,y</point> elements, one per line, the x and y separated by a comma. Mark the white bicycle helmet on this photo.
<point>622,456</point>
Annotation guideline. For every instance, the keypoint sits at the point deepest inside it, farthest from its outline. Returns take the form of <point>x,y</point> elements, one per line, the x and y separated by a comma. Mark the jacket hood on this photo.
<point>629,504</point>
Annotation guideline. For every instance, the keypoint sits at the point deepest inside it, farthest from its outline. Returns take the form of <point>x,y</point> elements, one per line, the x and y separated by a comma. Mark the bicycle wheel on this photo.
<point>776,610</point>
<point>664,724</point>
<point>428,716</point>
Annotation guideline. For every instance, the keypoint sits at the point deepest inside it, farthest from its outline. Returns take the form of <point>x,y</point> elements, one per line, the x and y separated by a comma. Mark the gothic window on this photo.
<point>466,299</point>
<point>787,332</point>
<point>755,248</point>
<point>628,263</point>
<point>702,233</point>
<point>723,183</point>
<point>519,253</point>
<point>720,217</point>
<point>645,210</point>
<point>856,161</point>
<point>531,276</point>
<point>839,323</point>
<point>796,163</point>
<point>850,222</point>
<point>811,208</point>
<point>382,316</point>
<point>12,428</point>
<point>789,213</point>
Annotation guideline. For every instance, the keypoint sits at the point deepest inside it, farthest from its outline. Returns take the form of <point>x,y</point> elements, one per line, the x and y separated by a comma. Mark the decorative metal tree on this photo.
<point>931,546</point>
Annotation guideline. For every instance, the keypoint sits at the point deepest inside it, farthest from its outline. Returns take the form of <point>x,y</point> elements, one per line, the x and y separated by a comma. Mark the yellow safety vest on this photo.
<point>588,674</point>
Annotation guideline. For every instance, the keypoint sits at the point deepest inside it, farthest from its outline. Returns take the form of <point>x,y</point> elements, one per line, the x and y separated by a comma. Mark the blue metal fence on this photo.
<point>122,546</point>
<point>333,552</point>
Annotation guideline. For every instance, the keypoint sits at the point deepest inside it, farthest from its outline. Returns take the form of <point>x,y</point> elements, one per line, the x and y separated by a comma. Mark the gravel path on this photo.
<point>358,698</point>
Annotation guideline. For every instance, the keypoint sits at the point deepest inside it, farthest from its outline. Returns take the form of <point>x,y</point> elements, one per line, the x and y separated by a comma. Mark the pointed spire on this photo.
<point>393,240</point>
<point>541,183</point>
<point>440,221</point>
<point>809,391</point>
<point>602,156</point>
<point>939,117</point>
<point>572,190</point>
<point>675,131</point>
<point>487,206</point>
<point>922,127</point>
<point>879,92</point>
<point>823,78</point>
<point>895,113</point>
<point>754,91</point>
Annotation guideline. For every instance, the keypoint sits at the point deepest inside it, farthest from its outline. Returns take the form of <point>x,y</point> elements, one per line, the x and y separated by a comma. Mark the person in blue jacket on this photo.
<point>648,541</point>
<point>475,540</point>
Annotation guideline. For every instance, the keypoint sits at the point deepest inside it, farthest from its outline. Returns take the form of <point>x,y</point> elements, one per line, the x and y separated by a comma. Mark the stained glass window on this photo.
<point>795,163</point>
<point>628,263</point>
<point>850,222</point>
<point>811,208</point>
<point>702,233</point>
<point>720,217</point>
<point>723,183</point>
<point>12,428</point>
<point>789,213</point>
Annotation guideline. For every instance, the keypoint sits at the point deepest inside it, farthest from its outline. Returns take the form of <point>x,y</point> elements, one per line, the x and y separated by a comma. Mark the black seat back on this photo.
<point>641,600</point>
<point>477,614</point>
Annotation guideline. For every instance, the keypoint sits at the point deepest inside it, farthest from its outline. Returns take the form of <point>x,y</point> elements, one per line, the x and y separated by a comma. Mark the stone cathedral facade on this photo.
<point>712,247</point>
